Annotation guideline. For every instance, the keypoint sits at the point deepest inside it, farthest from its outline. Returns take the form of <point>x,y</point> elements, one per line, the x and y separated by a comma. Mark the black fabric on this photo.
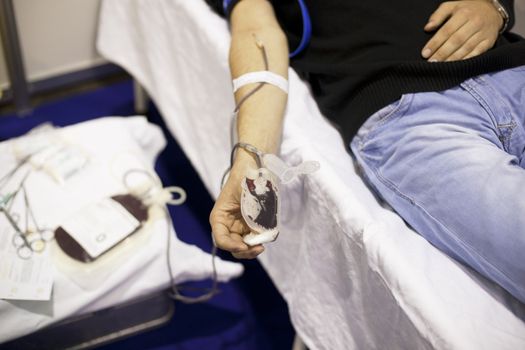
<point>217,6</point>
<point>364,55</point>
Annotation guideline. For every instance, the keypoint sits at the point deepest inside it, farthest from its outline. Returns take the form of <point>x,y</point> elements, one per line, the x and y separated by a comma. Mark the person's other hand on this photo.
<point>227,224</point>
<point>467,28</point>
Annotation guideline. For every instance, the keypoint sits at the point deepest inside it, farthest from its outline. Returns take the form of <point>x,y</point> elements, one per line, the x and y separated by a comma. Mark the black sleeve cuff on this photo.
<point>229,7</point>
<point>222,7</point>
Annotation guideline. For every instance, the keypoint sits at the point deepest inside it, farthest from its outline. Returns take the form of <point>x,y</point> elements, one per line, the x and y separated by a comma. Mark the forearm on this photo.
<point>260,116</point>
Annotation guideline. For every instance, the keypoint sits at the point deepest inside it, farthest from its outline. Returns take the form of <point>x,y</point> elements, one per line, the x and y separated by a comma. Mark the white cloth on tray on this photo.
<point>113,144</point>
<point>354,276</point>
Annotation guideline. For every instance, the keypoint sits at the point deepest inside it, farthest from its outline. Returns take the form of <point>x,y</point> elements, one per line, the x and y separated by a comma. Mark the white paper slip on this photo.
<point>23,279</point>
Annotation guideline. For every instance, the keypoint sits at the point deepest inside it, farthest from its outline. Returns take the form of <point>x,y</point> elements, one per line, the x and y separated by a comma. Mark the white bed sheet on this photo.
<point>114,145</point>
<point>353,275</point>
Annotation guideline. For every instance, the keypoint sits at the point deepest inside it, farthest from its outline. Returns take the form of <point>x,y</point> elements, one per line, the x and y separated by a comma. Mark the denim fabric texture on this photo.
<point>451,163</point>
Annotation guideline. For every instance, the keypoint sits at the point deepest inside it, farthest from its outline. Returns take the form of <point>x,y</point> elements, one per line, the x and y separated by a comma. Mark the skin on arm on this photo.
<point>260,117</point>
<point>465,29</point>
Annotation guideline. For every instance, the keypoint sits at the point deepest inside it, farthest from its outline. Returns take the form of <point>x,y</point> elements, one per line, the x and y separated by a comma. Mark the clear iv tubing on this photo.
<point>307,25</point>
<point>174,290</point>
<point>285,172</point>
<point>233,133</point>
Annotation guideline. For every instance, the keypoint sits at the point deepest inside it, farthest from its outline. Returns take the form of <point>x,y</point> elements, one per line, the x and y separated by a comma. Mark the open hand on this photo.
<point>467,28</point>
<point>228,226</point>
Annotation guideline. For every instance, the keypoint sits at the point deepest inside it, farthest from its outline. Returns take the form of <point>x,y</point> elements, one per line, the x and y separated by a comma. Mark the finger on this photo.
<point>240,227</point>
<point>457,42</point>
<point>466,48</point>
<point>251,253</point>
<point>436,49</point>
<point>225,240</point>
<point>443,12</point>
<point>478,50</point>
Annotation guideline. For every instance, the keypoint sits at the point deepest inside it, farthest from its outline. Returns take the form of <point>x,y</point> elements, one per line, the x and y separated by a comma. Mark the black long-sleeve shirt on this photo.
<point>364,55</point>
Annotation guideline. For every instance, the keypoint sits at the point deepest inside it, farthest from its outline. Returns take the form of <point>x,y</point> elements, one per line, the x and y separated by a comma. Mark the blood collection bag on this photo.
<point>100,227</point>
<point>260,206</point>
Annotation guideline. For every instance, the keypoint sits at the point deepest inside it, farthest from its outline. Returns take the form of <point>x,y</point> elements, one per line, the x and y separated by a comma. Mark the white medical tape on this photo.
<point>261,77</point>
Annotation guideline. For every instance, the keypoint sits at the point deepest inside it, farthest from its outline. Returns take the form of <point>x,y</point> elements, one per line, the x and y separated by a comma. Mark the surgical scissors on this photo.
<point>10,174</point>
<point>28,241</point>
<point>20,241</point>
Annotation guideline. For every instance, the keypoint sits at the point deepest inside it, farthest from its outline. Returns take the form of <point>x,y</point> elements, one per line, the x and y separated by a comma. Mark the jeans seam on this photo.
<point>392,186</point>
<point>404,101</point>
<point>503,137</point>
<point>395,109</point>
<point>472,249</point>
<point>451,233</point>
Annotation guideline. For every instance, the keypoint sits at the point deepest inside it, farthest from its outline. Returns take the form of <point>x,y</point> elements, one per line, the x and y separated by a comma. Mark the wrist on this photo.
<point>246,157</point>
<point>243,162</point>
<point>503,13</point>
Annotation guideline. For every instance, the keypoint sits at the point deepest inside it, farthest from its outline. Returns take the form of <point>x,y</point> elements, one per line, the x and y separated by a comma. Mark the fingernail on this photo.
<point>429,25</point>
<point>426,52</point>
<point>433,60</point>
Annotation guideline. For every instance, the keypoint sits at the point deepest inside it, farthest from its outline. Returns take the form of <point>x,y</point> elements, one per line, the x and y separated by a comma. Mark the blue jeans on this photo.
<point>451,163</point>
